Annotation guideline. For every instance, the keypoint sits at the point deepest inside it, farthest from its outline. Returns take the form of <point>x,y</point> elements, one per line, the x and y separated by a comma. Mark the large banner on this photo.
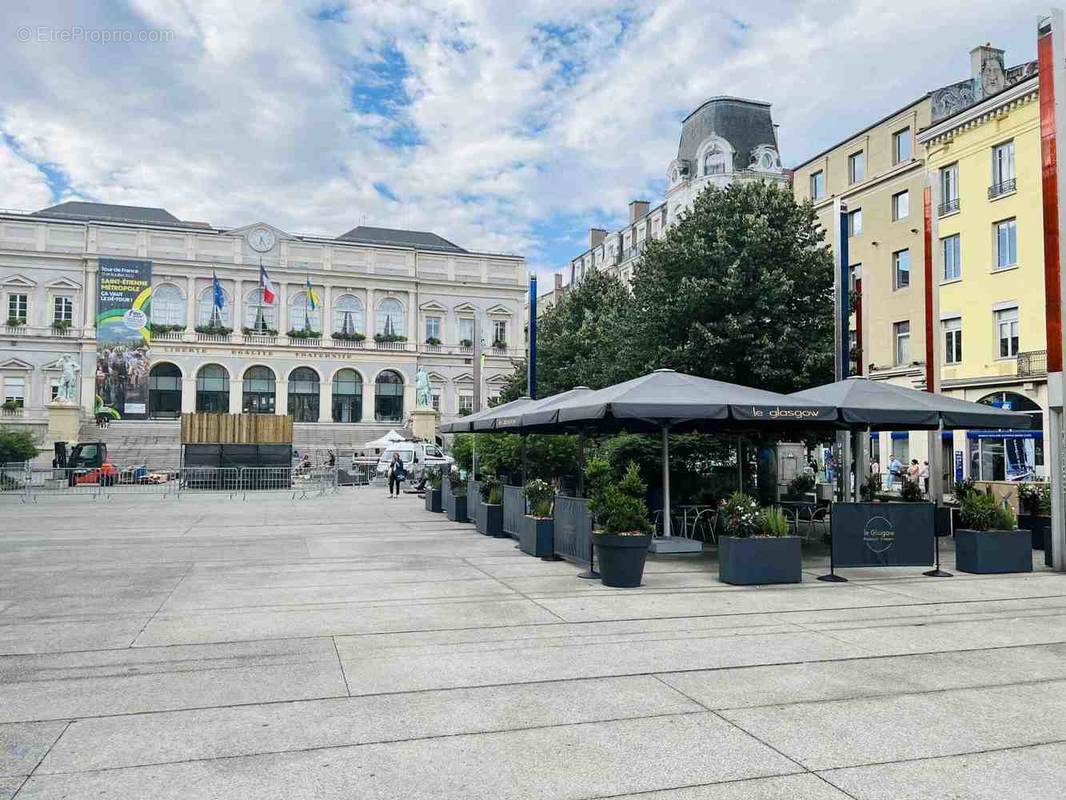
<point>123,305</point>
<point>882,534</point>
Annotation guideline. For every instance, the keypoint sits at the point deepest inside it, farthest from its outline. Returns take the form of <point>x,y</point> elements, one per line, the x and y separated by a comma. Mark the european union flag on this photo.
<point>219,295</point>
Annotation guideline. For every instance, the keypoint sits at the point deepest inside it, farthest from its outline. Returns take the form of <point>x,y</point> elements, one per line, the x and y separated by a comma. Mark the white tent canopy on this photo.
<point>385,441</point>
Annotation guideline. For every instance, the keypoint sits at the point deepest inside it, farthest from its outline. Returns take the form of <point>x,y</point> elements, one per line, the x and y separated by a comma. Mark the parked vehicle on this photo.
<point>416,456</point>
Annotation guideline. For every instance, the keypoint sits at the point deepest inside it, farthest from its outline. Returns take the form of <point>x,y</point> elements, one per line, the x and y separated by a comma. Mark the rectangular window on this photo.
<point>952,340</point>
<point>15,391</point>
<point>901,332</point>
<point>901,206</point>
<point>856,167</point>
<point>854,274</point>
<point>1007,332</point>
<point>433,328</point>
<point>817,185</point>
<point>949,188</point>
<point>466,403</point>
<point>901,269</point>
<point>466,331</point>
<point>952,253</point>
<point>901,145</point>
<point>18,307</point>
<point>855,222</point>
<point>1006,243</point>
<point>499,332</point>
<point>62,309</point>
<point>53,386</point>
<point>435,399</point>
<point>1003,166</point>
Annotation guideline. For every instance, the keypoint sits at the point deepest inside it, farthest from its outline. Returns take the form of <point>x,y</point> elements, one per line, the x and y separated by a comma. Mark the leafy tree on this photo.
<point>547,457</point>
<point>16,446</point>
<point>739,290</point>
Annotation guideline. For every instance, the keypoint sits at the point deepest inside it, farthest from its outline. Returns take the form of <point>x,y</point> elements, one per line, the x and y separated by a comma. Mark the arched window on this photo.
<point>212,389</point>
<point>714,161</point>
<point>348,315</point>
<point>260,316</point>
<point>388,397</point>
<point>303,395</point>
<point>389,322</point>
<point>164,391</point>
<point>168,305</point>
<point>258,390</point>
<point>1012,456</point>
<point>208,314</point>
<point>301,316</point>
<point>347,396</point>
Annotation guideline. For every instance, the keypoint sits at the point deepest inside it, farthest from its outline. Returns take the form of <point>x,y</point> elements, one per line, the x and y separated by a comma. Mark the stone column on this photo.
<point>412,319</point>
<point>325,400</point>
<point>188,395</point>
<point>368,395</point>
<point>281,397</point>
<point>190,305</point>
<point>236,313</point>
<point>282,308</point>
<point>325,312</point>
<point>236,394</point>
<point>371,315</point>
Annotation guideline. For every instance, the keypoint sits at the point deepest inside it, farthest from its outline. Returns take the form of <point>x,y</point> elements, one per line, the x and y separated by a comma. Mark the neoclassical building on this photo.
<point>387,302</point>
<point>726,139</point>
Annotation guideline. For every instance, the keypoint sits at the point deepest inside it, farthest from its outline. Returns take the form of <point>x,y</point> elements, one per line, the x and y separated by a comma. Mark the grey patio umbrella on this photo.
<point>466,424</point>
<point>663,400</point>
<point>881,405</point>
<point>538,412</point>
<point>486,421</point>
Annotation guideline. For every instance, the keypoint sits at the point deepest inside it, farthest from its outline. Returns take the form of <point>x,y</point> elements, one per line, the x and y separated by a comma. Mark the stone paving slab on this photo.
<point>94,683</point>
<point>107,743</point>
<point>24,744</point>
<point>564,762</point>
<point>1028,773</point>
<point>789,787</point>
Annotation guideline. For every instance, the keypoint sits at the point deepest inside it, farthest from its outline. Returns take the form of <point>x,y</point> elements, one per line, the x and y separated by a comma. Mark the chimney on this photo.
<point>596,237</point>
<point>558,283</point>
<point>637,209</point>
<point>986,69</point>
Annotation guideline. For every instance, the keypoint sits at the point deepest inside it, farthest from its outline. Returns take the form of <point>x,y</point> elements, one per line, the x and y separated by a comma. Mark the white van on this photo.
<point>415,456</point>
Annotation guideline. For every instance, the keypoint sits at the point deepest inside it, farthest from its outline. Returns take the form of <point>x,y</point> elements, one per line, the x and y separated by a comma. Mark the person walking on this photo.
<point>397,473</point>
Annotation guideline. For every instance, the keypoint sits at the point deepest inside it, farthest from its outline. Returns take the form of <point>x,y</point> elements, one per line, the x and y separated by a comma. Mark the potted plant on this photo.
<point>303,333</point>
<point>800,486</point>
<point>389,337</point>
<point>214,330</point>
<point>490,520</point>
<point>1034,503</point>
<point>433,341</point>
<point>457,500</point>
<point>433,491</point>
<point>247,331</point>
<point>756,548</point>
<point>623,530</point>
<point>342,336</point>
<point>466,343</point>
<point>989,540</point>
<point>537,537</point>
<point>63,325</point>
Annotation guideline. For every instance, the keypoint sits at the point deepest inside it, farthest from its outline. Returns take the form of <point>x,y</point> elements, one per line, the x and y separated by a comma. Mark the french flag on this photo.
<point>266,286</point>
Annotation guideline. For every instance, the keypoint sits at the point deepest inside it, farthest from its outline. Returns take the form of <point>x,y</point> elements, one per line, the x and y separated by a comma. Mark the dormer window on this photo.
<point>714,161</point>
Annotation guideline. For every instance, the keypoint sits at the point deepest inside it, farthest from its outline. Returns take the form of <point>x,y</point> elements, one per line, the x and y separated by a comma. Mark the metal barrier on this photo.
<point>514,509</point>
<point>474,504</point>
<point>573,529</point>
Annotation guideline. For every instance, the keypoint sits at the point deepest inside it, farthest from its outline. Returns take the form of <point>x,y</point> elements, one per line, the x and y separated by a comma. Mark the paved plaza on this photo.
<point>352,646</point>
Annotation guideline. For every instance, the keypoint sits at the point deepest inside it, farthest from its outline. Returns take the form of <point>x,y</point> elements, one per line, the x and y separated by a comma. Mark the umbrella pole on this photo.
<point>936,492</point>
<point>590,574</point>
<point>666,481</point>
<point>740,464</point>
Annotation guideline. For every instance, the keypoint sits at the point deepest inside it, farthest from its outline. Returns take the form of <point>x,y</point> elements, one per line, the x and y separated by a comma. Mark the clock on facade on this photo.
<point>261,239</point>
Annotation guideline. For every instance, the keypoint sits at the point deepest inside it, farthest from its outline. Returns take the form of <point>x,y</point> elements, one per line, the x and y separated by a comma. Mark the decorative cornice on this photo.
<point>1012,97</point>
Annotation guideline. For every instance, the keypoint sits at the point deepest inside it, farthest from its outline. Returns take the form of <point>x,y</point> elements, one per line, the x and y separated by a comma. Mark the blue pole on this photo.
<point>531,362</point>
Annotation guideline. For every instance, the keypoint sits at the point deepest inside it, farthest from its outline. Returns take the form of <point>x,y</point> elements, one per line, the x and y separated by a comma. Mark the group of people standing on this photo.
<point>915,472</point>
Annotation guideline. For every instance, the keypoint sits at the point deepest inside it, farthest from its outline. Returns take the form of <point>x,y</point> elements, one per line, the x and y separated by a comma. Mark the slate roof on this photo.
<point>745,124</point>
<point>423,240</point>
<point>107,212</point>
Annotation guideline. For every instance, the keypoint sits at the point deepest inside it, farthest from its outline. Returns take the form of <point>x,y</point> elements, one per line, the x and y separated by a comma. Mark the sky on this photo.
<point>508,126</point>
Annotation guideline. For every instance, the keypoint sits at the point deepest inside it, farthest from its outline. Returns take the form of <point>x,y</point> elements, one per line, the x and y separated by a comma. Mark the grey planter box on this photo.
<point>537,536</point>
<point>490,520</point>
<point>759,560</point>
<point>433,500</point>
<point>987,552</point>
<point>457,509</point>
<point>1039,526</point>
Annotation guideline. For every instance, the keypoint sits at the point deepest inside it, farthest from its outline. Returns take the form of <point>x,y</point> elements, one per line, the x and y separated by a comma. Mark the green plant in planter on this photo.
<point>540,494</point>
<point>774,522</point>
<point>15,322</point>
<point>434,479</point>
<point>303,333</point>
<point>10,405</point>
<point>741,516</point>
<point>964,489</point>
<point>1005,519</point>
<point>348,337</point>
<point>618,506</point>
<point>870,488</point>
<point>247,331</point>
<point>801,485</point>
<point>457,484</point>
<point>910,492</point>
<point>214,330</point>
<point>1035,499</point>
<point>980,512</point>
<point>64,325</point>
<point>466,343</point>
<point>491,490</point>
<point>389,337</point>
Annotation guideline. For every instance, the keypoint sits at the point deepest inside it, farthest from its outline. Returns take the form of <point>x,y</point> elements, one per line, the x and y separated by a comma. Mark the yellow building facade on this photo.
<point>984,167</point>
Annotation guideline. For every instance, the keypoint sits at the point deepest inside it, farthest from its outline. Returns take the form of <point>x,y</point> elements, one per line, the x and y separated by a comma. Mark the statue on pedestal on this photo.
<point>67,390</point>
<point>423,391</point>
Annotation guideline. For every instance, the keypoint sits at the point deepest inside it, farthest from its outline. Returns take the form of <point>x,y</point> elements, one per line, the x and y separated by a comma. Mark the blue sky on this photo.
<point>504,127</point>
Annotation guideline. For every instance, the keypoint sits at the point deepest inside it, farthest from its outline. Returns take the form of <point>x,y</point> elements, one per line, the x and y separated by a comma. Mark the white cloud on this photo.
<point>526,122</point>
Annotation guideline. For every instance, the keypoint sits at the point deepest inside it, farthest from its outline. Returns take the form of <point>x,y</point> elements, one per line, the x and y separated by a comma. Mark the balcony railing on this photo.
<point>11,413</point>
<point>168,336</point>
<point>213,338</point>
<point>349,344</point>
<point>1032,363</point>
<point>260,338</point>
<point>390,345</point>
<point>15,330</point>
<point>949,207</point>
<point>1002,188</point>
